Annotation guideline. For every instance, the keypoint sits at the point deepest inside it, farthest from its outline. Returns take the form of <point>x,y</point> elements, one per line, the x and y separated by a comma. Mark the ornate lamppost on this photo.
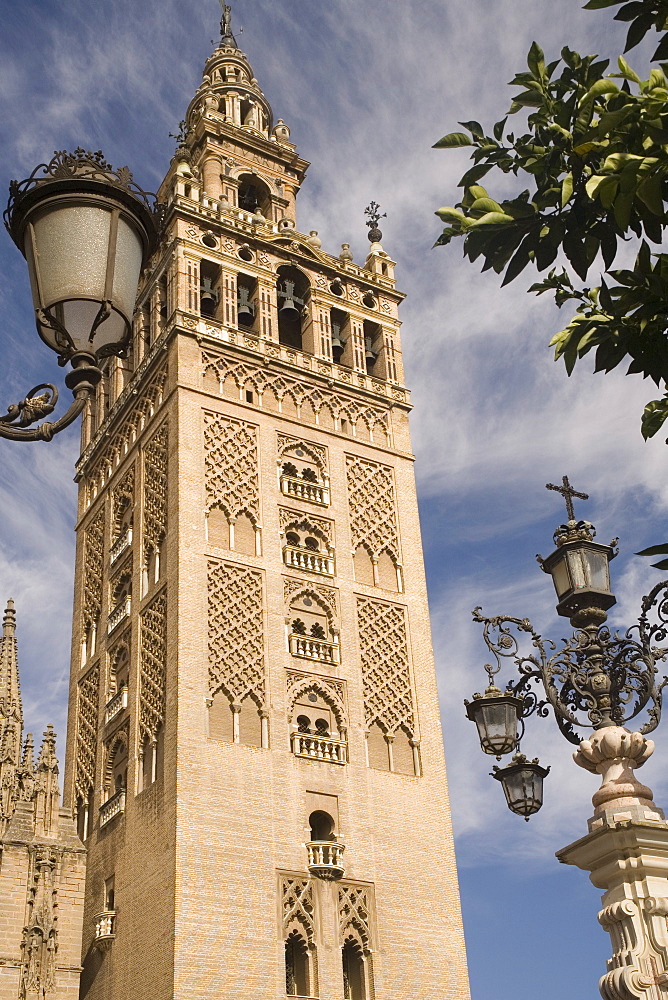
<point>601,680</point>
<point>85,230</point>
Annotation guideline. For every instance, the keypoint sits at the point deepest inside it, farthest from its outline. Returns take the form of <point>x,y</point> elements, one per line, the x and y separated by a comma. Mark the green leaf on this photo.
<point>599,4</point>
<point>566,189</point>
<point>653,418</point>
<point>475,128</point>
<point>638,30</point>
<point>626,70</point>
<point>661,51</point>
<point>449,214</point>
<point>599,88</point>
<point>493,219</point>
<point>498,129</point>
<point>485,205</point>
<point>654,550</point>
<point>536,60</point>
<point>452,140</point>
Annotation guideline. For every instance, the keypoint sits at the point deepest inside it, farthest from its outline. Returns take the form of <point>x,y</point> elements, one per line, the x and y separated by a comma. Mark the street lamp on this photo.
<point>85,230</point>
<point>599,680</point>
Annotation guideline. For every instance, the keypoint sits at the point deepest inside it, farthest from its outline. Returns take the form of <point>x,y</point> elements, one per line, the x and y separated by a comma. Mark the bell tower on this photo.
<point>255,752</point>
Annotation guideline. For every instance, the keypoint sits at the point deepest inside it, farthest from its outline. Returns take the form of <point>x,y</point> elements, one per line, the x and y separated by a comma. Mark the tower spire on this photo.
<point>11,715</point>
<point>10,695</point>
<point>227,39</point>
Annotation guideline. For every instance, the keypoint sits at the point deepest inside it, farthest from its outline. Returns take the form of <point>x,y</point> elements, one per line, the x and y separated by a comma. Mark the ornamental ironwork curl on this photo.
<point>597,678</point>
<point>33,407</point>
<point>82,164</point>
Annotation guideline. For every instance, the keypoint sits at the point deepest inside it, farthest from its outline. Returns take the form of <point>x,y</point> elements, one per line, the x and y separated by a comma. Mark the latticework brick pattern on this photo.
<point>386,680</point>
<point>153,667</point>
<point>86,740</point>
<point>231,462</point>
<point>92,568</point>
<point>155,489</point>
<point>297,904</point>
<point>354,912</point>
<point>235,632</point>
<point>371,500</point>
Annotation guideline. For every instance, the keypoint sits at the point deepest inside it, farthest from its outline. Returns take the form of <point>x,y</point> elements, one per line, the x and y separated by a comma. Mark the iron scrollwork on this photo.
<point>597,678</point>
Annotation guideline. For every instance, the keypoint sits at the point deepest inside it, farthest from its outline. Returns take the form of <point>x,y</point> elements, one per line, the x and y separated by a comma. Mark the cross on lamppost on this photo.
<point>567,493</point>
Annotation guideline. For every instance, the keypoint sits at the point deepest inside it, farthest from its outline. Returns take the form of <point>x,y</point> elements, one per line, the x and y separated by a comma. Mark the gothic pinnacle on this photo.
<point>9,620</point>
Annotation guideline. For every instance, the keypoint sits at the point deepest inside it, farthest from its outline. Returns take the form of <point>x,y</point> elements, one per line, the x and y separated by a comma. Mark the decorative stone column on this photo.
<point>626,853</point>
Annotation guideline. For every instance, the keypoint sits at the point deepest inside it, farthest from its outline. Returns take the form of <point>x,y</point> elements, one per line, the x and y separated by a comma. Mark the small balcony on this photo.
<point>119,614</point>
<point>105,930</point>
<point>325,859</point>
<point>116,704</point>
<point>121,545</point>
<point>323,748</point>
<point>115,806</point>
<point>321,650</point>
<point>308,560</point>
<point>304,489</point>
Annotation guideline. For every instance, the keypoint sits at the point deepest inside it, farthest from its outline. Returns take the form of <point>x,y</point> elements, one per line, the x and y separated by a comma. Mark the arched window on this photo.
<point>321,825</point>
<point>297,966</point>
<point>254,195</point>
<point>354,978</point>
<point>292,289</point>
<point>318,726</point>
<point>377,748</point>
<point>85,814</point>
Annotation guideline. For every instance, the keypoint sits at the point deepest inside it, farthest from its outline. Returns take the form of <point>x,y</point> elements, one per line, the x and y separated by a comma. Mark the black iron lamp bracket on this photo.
<point>42,400</point>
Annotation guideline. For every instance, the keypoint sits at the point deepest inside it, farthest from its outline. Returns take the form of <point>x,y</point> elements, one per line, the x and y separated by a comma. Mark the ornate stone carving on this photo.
<point>236,633</point>
<point>122,497</point>
<point>332,690</point>
<point>251,377</point>
<point>40,934</point>
<point>297,905</point>
<point>290,518</point>
<point>231,458</point>
<point>155,490</point>
<point>386,681</point>
<point>355,912</point>
<point>86,742</point>
<point>153,667</point>
<point>92,569</point>
<point>316,452</point>
<point>325,596</point>
<point>371,499</point>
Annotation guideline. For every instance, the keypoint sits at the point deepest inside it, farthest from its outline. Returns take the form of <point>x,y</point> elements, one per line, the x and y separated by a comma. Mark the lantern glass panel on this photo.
<point>497,725</point>
<point>127,268</point>
<point>523,787</point>
<point>562,581</point>
<point>576,569</point>
<point>71,244</point>
<point>599,570</point>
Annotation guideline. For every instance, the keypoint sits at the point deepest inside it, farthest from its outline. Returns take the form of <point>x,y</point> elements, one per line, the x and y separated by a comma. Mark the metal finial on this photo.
<point>227,39</point>
<point>374,234</point>
<point>567,493</point>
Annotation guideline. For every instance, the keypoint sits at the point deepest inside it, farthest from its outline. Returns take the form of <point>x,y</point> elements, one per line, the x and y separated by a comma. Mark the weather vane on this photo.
<point>374,234</point>
<point>226,36</point>
<point>567,493</point>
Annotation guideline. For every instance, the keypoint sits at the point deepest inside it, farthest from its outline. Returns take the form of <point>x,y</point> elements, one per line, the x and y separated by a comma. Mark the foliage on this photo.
<point>595,154</point>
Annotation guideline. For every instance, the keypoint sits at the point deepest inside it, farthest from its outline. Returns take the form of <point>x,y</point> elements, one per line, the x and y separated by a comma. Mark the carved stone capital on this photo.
<point>614,753</point>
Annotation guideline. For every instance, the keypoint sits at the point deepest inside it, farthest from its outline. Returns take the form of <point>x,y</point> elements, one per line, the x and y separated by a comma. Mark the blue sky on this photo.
<point>367,86</point>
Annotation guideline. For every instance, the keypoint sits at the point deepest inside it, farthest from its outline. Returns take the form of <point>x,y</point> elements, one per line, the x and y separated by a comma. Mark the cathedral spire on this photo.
<point>227,39</point>
<point>10,695</point>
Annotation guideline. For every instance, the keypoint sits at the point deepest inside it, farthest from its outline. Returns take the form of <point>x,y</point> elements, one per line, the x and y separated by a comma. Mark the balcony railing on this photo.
<point>302,489</point>
<point>123,542</point>
<point>307,559</point>
<point>116,704</point>
<point>115,806</point>
<point>119,614</point>
<point>314,649</point>
<point>320,748</point>
<point>105,930</point>
<point>325,859</point>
